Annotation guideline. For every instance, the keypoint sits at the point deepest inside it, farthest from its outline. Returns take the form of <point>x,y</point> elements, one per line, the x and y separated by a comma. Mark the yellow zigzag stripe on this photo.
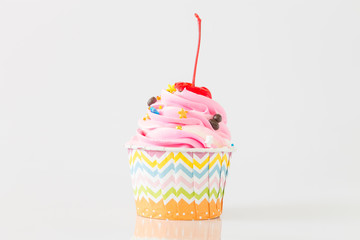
<point>176,158</point>
<point>182,157</point>
<point>135,154</point>
<point>217,158</point>
<point>151,164</point>
<point>201,165</point>
<point>221,160</point>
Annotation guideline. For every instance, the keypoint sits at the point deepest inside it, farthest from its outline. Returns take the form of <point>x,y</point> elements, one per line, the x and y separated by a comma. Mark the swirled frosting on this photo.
<point>168,129</point>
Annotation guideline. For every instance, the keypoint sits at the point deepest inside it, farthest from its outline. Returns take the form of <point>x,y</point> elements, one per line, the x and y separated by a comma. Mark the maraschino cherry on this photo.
<point>190,87</point>
<point>180,86</point>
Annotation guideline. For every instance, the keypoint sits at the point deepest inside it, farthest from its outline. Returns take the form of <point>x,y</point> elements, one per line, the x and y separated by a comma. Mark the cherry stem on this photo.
<point>198,48</point>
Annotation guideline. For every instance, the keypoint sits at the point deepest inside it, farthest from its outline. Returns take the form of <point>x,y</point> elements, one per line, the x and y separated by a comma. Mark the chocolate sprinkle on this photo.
<point>214,124</point>
<point>152,100</point>
<point>217,117</point>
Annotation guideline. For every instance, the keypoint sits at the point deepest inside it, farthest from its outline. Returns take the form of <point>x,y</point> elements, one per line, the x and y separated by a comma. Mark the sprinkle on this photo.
<point>171,88</point>
<point>179,127</point>
<point>232,144</point>
<point>153,110</point>
<point>215,125</point>
<point>217,117</point>
<point>160,107</point>
<point>152,100</point>
<point>182,113</point>
<point>147,116</point>
<point>158,98</point>
<point>144,118</point>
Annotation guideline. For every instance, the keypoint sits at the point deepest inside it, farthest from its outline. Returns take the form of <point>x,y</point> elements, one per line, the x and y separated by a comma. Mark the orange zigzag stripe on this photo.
<point>179,211</point>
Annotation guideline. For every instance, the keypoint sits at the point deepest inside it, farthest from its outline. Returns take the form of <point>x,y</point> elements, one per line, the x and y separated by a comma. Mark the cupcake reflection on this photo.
<point>173,230</point>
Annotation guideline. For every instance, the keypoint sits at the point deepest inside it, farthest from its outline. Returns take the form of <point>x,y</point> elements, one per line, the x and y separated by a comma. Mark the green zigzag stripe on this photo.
<point>182,191</point>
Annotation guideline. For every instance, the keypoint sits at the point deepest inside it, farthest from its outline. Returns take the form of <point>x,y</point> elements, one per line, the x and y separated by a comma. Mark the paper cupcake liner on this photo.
<point>178,185</point>
<point>155,229</point>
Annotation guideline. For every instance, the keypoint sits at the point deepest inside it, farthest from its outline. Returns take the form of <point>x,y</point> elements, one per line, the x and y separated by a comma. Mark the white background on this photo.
<point>75,77</point>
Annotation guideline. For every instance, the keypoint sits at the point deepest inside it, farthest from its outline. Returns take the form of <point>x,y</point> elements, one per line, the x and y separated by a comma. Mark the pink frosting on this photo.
<point>160,130</point>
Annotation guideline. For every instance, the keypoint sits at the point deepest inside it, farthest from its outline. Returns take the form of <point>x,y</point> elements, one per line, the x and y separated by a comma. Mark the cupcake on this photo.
<point>180,155</point>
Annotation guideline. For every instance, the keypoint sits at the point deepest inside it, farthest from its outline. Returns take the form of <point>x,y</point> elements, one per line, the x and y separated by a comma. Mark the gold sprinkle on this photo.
<point>160,107</point>
<point>182,113</point>
<point>179,127</point>
<point>158,98</point>
<point>171,88</point>
<point>147,116</point>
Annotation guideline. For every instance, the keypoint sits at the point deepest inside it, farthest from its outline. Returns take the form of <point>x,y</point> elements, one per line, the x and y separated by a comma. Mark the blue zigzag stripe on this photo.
<point>180,167</point>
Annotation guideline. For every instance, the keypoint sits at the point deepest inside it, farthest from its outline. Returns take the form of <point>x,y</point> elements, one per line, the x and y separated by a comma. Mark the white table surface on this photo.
<point>283,221</point>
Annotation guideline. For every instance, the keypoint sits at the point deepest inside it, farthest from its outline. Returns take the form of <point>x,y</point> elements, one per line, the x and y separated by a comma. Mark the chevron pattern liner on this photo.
<point>178,185</point>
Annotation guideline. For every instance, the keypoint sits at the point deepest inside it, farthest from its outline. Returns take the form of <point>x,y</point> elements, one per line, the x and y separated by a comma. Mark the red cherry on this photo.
<point>191,86</point>
<point>180,86</point>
